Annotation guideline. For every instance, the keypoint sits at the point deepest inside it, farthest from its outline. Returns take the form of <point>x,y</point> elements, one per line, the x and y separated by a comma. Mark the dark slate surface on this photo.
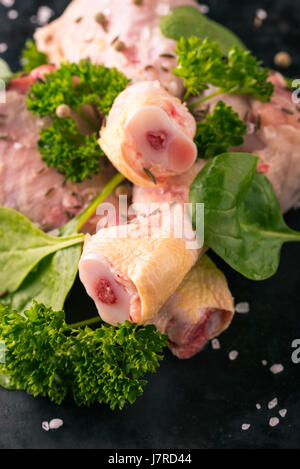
<point>200,403</point>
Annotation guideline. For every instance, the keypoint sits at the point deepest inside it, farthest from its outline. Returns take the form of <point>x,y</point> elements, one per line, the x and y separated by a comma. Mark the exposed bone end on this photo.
<point>158,143</point>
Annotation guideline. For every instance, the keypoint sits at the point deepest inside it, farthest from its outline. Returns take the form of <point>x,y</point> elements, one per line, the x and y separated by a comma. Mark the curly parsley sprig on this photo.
<point>202,63</point>
<point>31,57</point>
<point>47,357</point>
<point>221,130</point>
<point>73,86</point>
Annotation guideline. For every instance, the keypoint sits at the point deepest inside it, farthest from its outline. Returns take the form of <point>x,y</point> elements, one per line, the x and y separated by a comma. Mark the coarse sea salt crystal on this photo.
<point>54,424</point>
<point>233,354</point>
<point>162,9</point>
<point>273,421</point>
<point>246,426</point>
<point>273,403</point>
<point>45,426</point>
<point>264,362</point>
<point>43,16</point>
<point>12,14</point>
<point>276,368</point>
<point>215,343</point>
<point>258,406</point>
<point>242,307</point>
<point>261,14</point>
<point>204,9</point>
<point>283,412</point>
<point>7,3</point>
<point>3,47</point>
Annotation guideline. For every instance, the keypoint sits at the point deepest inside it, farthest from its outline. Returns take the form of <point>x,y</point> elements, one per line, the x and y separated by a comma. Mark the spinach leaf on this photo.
<point>187,21</point>
<point>53,277</point>
<point>243,222</point>
<point>23,246</point>
<point>5,71</point>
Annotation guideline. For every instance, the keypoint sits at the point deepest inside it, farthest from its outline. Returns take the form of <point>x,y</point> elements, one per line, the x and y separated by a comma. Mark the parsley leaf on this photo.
<point>31,57</point>
<point>65,149</point>
<point>221,130</point>
<point>202,63</point>
<point>47,357</point>
<point>62,146</point>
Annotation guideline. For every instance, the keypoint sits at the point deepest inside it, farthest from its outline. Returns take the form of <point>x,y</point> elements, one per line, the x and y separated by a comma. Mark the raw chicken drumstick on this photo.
<point>149,135</point>
<point>117,33</point>
<point>201,308</point>
<point>130,274</point>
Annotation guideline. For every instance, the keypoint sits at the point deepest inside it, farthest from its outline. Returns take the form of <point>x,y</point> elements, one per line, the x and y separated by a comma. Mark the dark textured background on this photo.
<point>200,403</point>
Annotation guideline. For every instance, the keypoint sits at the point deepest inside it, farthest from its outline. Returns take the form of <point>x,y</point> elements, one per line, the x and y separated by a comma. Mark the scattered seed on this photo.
<point>137,2</point>
<point>78,20</point>
<point>149,67</point>
<point>49,192</point>
<point>43,170</point>
<point>287,111</point>
<point>3,293</point>
<point>150,175</point>
<point>164,69</point>
<point>246,116</point>
<point>283,59</point>
<point>257,22</point>
<point>168,56</point>
<point>5,138</point>
<point>273,421</point>
<point>273,403</point>
<point>101,19</point>
<point>63,111</point>
<point>115,39</point>
<point>119,46</point>
<point>258,122</point>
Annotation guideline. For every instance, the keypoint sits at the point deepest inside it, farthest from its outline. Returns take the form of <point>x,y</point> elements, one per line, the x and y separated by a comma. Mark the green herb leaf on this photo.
<point>202,63</point>
<point>52,279</point>
<point>62,146</point>
<point>23,246</point>
<point>46,357</point>
<point>221,130</point>
<point>5,72</point>
<point>187,21</point>
<point>243,222</point>
<point>31,57</point>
